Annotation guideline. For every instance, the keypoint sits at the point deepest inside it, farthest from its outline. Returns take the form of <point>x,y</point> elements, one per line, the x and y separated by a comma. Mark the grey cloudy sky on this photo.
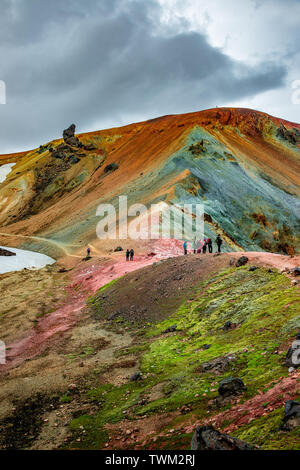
<point>104,63</point>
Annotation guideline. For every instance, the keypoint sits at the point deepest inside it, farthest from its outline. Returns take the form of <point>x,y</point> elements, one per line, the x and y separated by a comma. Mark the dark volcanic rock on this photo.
<point>296,271</point>
<point>208,438</point>
<point>171,329</point>
<point>291,418</point>
<point>135,377</point>
<point>287,135</point>
<point>4,252</point>
<point>293,355</point>
<point>111,167</point>
<point>69,137</point>
<point>242,261</point>
<point>70,132</point>
<point>231,386</point>
<point>229,326</point>
<point>119,248</point>
<point>74,160</point>
<point>217,366</point>
<point>253,268</point>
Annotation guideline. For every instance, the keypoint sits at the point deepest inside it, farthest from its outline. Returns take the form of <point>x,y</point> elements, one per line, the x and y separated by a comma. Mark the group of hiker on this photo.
<point>202,247</point>
<point>129,254</point>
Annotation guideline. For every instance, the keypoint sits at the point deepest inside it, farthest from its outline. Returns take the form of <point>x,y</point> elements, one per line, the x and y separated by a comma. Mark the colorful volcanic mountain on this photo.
<point>243,165</point>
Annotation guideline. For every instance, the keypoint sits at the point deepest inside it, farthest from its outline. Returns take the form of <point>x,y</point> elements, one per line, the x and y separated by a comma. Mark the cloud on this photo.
<point>108,62</point>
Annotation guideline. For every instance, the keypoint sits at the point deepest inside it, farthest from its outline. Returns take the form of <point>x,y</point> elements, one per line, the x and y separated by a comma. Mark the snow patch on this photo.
<point>23,259</point>
<point>5,170</point>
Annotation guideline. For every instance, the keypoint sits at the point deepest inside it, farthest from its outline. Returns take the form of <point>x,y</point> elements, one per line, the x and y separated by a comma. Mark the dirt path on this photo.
<point>59,245</point>
<point>85,281</point>
<point>88,279</point>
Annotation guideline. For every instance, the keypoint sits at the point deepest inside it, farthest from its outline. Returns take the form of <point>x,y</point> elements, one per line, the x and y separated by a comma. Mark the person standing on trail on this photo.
<point>185,246</point>
<point>195,245</point>
<point>88,252</point>
<point>209,244</point>
<point>127,254</point>
<point>131,254</point>
<point>219,242</point>
<point>204,246</point>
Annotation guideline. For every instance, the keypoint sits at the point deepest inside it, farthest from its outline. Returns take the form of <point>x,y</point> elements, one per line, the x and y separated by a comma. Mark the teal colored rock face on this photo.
<point>249,207</point>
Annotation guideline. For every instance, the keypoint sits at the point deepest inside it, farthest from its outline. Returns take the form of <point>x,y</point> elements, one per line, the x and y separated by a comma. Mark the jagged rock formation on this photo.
<point>291,418</point>
<point>4,252</point>
<point>231,386</point>
<point>69,137</point>
<point>208,438</point>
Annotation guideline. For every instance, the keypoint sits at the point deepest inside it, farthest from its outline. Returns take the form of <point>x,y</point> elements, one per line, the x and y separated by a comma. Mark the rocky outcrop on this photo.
<point>135,377</point>
<point>229,326</point>
<point>292,359</point>
<point>291,418</point>
<point>231,386</point>
<point>216,366</point>
<point>4,252</point>
<point>241,261</point>
<point>69,137</point>
<point>208,438</point>
<point>296,271</point>
<point>171,329</point>
<point>287,135</point>
<point>111,167</point>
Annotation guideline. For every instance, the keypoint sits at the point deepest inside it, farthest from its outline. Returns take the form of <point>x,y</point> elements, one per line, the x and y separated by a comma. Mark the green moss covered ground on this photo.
<point>265,307</point>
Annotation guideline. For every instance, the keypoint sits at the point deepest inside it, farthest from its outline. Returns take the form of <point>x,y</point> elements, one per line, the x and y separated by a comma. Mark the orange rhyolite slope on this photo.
<point>168,158</point>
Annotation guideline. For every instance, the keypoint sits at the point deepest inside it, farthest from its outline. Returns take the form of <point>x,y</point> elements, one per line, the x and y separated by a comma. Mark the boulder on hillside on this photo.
<point>231,386</point>
<point>208,438</point>
<point>4,252</point>
<point>241,261</point>
<point>216,366</point>
<point>111,167</point>
<point>171,329</point>
<point>287,135</point>
<point>119,248</point>
<point>296,271</point>
<point>293,355</point>
<point>229,326</point>
<point>135,377</point>
<point>291,418</point>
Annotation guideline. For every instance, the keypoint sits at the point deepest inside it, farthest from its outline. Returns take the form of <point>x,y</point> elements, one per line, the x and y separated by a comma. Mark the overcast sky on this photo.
<point>105,63</point>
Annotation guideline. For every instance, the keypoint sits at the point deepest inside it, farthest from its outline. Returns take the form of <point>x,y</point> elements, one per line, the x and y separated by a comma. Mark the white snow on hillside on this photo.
<point>23,259</point>
<point>5,170</point>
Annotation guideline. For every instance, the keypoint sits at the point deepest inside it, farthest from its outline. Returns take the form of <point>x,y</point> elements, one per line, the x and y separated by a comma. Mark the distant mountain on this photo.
<point>243,165</point>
